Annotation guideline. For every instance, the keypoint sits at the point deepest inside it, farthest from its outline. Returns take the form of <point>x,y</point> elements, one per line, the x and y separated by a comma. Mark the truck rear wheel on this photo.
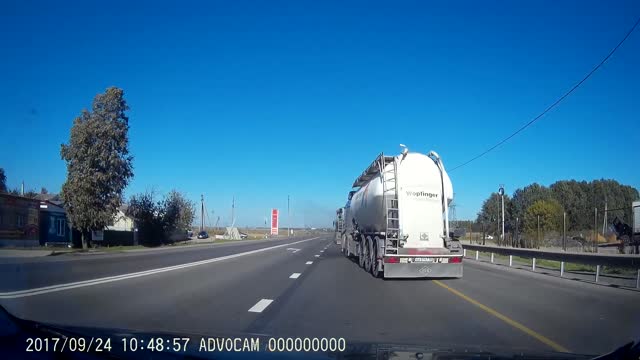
<point>360,254</point>
<point>348,241</point>
<point>375,261</point>
<point>367,255</point>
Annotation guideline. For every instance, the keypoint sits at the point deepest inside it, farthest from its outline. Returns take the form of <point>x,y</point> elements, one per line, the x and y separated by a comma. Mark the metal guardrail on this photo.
<point>597,260</point>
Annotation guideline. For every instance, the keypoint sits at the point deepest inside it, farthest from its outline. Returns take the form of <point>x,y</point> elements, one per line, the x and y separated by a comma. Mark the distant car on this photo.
<point>203,235</point>
<point>189,233</point>
<point>243,236</point>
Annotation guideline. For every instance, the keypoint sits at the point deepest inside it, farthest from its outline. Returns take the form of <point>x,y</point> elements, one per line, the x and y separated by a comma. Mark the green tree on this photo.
<point>159,221</point>
<point>616,195</point>
<point>146,212</point>
<point>3,181</point>
<point>99,165</point>
<point>525,197</point>
<point>580,198</point>
<point>31,194</point>
<point>548,213</point>
<point>573,196</point>
<point>491,214</point>
<point>178,211</point>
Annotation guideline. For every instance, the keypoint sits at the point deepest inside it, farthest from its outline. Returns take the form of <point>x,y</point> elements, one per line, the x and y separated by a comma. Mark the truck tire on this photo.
<point>360,253</point>
<point>375,265</point>
<point>367,255</point>
<point>345,247</point>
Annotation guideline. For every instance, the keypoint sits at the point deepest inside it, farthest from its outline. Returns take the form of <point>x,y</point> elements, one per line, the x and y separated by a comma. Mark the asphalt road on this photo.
<point>251,288</point>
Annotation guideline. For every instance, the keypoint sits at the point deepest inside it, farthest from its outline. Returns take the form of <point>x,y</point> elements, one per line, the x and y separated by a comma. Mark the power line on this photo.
<point>557,101</point>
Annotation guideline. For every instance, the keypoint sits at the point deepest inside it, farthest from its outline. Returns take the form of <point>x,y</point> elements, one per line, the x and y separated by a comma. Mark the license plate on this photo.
<point>431,260</point>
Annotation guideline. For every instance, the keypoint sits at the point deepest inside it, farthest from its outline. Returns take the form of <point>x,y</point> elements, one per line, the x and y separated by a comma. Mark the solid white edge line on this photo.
<point>260,305</point>
<point>78,284</point>
<point>294,276</point>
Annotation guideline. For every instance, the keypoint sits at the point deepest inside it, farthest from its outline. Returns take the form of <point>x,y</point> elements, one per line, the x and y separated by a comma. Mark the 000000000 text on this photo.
<point>273,344</point>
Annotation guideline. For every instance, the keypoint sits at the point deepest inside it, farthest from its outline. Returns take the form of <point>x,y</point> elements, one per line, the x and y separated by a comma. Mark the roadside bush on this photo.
<point>159,221</point>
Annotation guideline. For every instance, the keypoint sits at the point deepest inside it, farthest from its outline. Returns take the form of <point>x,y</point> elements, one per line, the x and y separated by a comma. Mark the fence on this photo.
<point>597,260</point>
<point>593,233</point>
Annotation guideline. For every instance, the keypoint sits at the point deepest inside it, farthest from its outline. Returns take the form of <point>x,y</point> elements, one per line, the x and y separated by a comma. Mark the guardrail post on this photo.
<point>464,252</point>
<point>564,258</point>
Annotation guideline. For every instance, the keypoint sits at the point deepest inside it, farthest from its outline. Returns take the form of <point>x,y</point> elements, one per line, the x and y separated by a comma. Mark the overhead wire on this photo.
<point>555,103</point>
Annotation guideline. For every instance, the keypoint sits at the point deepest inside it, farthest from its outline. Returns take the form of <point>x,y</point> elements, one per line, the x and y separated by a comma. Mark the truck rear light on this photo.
<point>456,259</point>
<point>391,259</point>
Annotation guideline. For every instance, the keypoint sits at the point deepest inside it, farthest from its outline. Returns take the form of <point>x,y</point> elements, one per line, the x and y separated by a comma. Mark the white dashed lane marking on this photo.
<point>309,262</point>
<point>294,276</point>
<point>317,255</point>
<point>260,305</point>
<point>79,284</point>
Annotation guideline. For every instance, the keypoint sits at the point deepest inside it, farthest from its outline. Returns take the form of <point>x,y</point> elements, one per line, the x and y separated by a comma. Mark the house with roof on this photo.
<point>55,229</point>
<point>122,232</point>
<point>19,221</point>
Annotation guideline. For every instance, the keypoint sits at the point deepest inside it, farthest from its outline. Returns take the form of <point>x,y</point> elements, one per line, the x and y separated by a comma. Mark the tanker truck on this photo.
<point>396,219</point>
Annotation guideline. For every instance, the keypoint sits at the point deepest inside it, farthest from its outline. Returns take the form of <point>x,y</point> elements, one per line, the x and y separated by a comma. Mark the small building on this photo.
<point>121,221</point>
<point>54,227</point>
<point>19,221</point>
<point>122,232</point>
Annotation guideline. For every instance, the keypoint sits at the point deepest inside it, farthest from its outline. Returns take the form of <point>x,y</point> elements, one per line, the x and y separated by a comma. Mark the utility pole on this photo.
<point>484,234</point>
<point>201,212</point>
<point>288,218</point>
<point>233,209</point>
<point>595,229</point>
<point>517,235</point>
<point>501,191</point>
<point>452,213</point>
<point>538,242</point>
<point>564,231</point>
<point>604,220</point>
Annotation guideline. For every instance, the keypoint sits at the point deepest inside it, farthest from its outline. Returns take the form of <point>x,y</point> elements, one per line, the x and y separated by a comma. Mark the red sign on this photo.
<point>274,222</point>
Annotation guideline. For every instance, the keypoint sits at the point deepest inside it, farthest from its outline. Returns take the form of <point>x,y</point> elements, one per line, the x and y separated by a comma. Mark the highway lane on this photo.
<point>573,313</point>
<point>580,317</point>
<point>19,274</point>
<point>333,297</point>
<point>207,299</point>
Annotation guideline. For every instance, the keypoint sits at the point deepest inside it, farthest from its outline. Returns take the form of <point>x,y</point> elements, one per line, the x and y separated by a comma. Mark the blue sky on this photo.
<point>264,99</point>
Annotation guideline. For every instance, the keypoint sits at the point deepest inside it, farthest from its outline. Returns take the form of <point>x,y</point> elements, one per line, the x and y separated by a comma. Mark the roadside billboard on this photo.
<point>274,221</point>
